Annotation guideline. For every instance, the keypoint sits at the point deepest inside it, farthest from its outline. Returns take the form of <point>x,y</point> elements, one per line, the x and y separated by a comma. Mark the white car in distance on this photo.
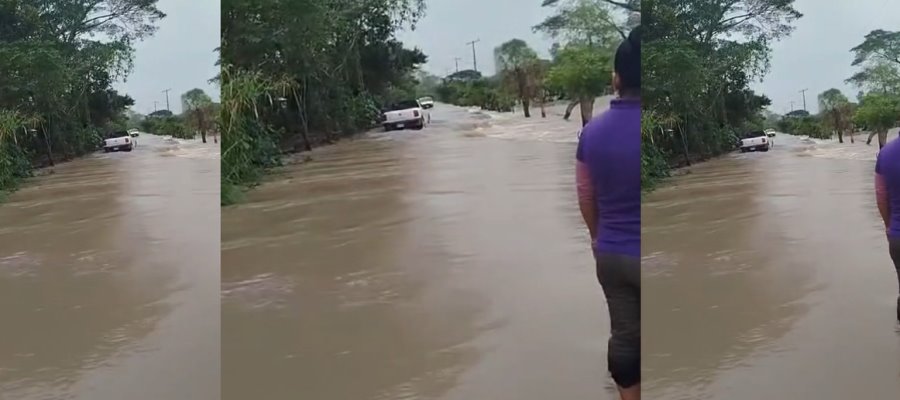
<point>404,114</point>
<point>427,102</point>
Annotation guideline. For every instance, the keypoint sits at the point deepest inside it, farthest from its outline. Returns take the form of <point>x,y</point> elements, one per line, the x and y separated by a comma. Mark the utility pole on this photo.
<point>154,106</point>
<point>474,59</point>
<point>457,63</point>
<point>167,99</point>
<point>792,106</point>
<point>803,92</point>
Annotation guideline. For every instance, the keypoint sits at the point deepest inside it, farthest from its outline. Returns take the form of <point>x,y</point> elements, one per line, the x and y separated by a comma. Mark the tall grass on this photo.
<point>250,146</point>
<point>15,162</point>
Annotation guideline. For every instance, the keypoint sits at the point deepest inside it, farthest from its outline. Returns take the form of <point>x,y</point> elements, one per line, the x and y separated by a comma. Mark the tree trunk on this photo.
<point>526,108</point>
<point>569,109</point>
<point>871,135</point>
<point>840,136</point>
<point>587,109</point>
<point>882,138</point>
<point>47,141</point>
<point>684,147</point>
<point>543,109</point>
<point>200,125</point>
<point>304,124</point>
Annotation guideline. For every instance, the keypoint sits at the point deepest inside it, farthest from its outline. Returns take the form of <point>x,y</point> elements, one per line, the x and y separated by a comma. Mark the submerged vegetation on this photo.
<point>697,96</point>
<point>585,33</point>
<point>304,73</point>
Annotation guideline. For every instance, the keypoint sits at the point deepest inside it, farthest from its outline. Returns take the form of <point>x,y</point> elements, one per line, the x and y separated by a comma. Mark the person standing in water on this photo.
<point>608,175</point>
<point>887,194</point>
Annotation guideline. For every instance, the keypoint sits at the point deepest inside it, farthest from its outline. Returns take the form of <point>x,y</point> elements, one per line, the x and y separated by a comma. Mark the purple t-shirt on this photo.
<point>888,166</point>
<point>610,146</point>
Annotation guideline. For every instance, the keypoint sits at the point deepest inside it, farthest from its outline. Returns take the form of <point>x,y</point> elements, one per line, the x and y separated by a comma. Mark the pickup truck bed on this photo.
<point>760,143</point>
<point>125,143</point>
<point>410,115</point>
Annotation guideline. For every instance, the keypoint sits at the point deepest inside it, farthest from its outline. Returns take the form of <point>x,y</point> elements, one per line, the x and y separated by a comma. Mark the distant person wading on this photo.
<point>608,175</point>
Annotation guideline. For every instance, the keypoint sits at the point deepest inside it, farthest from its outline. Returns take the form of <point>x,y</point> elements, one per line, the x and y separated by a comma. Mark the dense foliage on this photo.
<point>302,73</point>
<point>56,77</point>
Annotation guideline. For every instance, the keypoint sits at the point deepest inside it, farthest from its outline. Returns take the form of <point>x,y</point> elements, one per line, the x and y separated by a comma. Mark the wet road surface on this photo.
<point>109,277</point>
<point>447,263</point>
<point>767,275</point>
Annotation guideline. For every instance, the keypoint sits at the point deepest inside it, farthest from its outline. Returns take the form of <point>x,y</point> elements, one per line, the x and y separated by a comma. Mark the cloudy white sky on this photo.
<point>179,57</point>
<point>817,55</point>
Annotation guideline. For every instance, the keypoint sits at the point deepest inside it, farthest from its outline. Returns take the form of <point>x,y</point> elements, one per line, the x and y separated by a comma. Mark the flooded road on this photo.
<point>767,275</point>
<point>447,263</point>
<point>109,277</point>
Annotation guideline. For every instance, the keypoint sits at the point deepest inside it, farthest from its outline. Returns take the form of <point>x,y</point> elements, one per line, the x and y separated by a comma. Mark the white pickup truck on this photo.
<point>119,141</point>
<point>404,114</point>
<point>757,140</point>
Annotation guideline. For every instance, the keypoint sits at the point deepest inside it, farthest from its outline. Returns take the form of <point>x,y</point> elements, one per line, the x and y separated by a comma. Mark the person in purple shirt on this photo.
<point>608,175</point>
<point>887,194</point>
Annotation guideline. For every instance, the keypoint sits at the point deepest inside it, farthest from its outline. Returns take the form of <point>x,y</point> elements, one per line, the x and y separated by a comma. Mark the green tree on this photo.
<point>836,112</point>
<point>583,26</point>
<point>878,45</point>
<point>878,112</point>
<point>515,62</point>
<point>584,73</point>
<point>199,110</point>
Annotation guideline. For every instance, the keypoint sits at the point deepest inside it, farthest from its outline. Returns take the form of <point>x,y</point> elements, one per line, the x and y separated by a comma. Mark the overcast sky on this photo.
<point>449,24</point>
<point>180,56</point>
<point>817,55</point>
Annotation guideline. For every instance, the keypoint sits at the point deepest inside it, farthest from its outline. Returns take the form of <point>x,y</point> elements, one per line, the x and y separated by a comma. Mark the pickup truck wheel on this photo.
<point>387,128</point>
<point>743,149</point>
<point>106,150</point>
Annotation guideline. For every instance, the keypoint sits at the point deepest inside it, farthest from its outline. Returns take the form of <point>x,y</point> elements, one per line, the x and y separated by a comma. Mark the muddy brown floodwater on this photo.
<point>767,276</point>
<point>109,278</point>
<point>447,263</point>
